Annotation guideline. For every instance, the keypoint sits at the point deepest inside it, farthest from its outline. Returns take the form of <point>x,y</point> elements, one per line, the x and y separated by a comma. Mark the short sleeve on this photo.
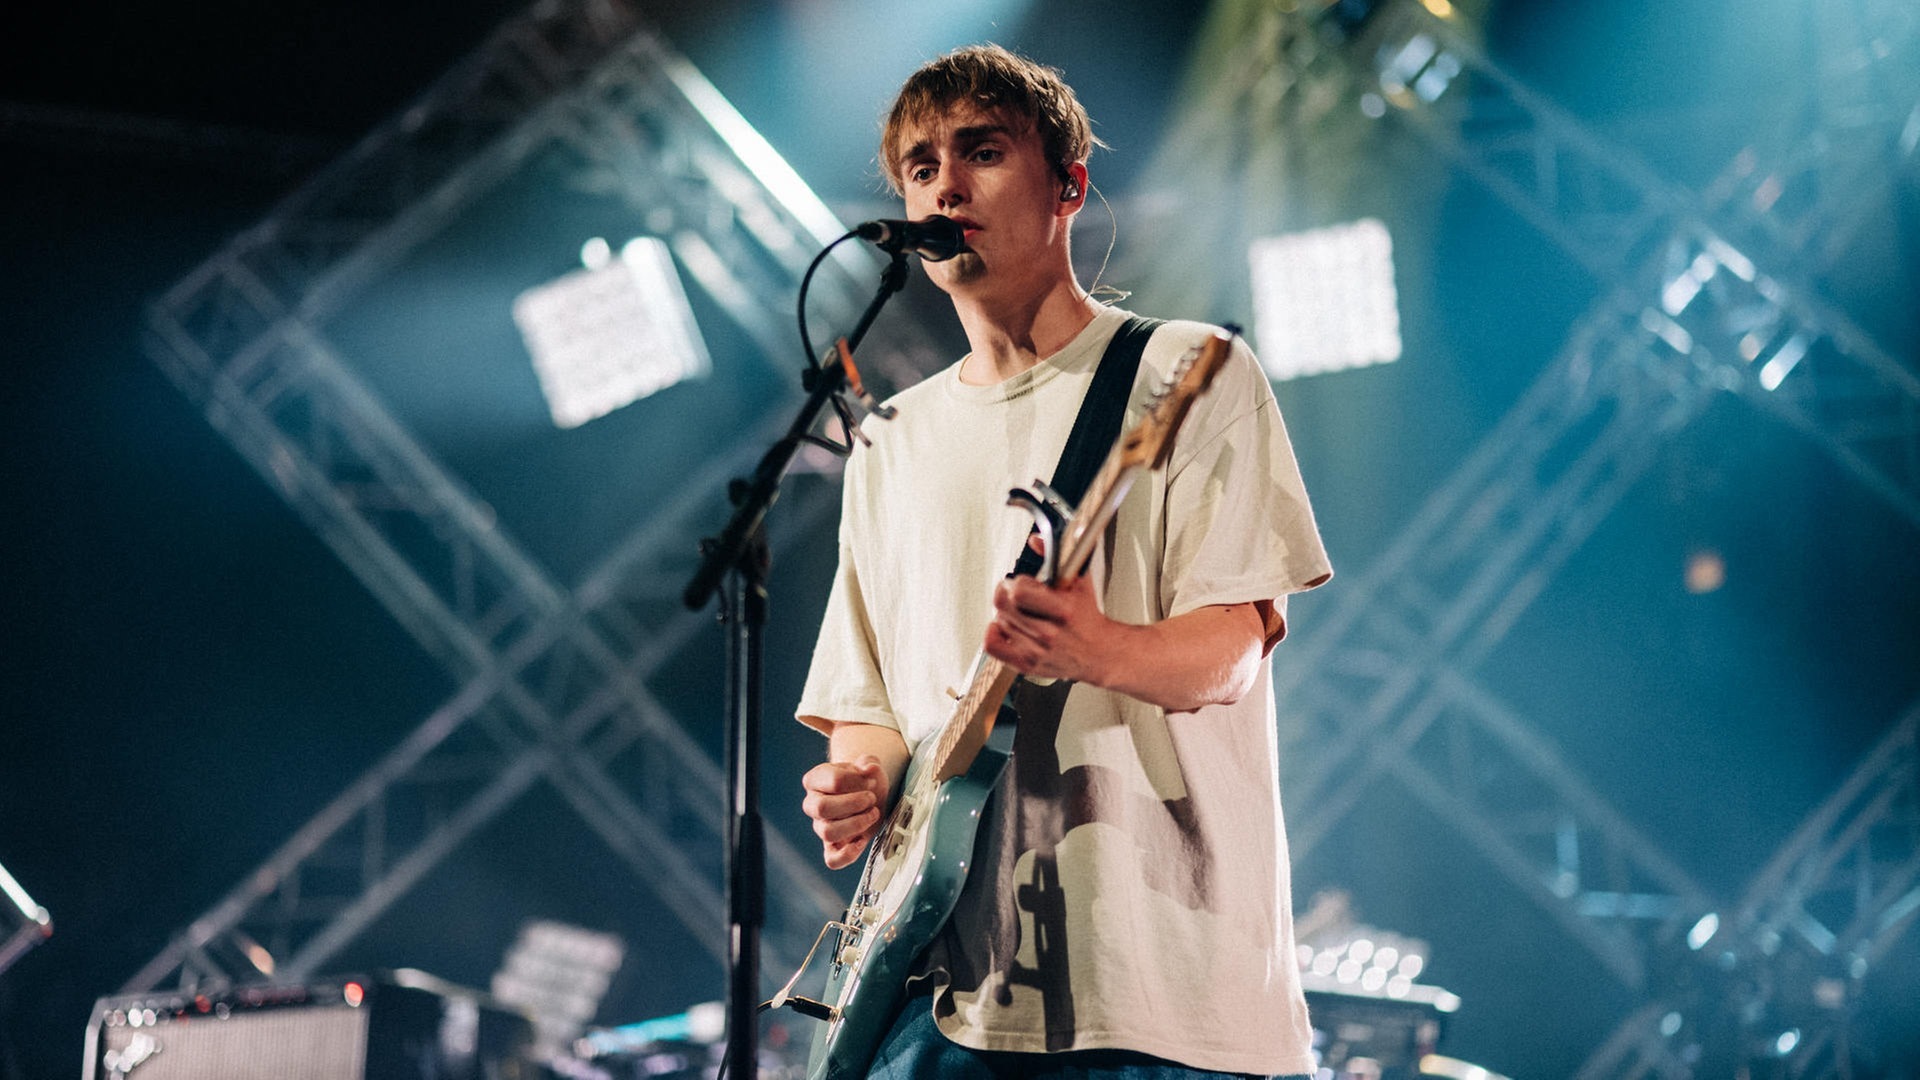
<point>1239,526</point>
<point>844,683</point>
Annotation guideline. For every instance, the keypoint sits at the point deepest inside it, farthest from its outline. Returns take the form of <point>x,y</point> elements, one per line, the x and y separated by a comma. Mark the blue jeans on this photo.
<point>914,1049</point>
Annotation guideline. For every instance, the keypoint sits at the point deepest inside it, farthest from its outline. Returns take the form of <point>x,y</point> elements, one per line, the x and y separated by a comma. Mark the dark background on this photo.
<point>190,674</point>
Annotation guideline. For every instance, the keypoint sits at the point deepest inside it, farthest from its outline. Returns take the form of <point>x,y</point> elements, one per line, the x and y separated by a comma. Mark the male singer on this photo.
<point>1128,911</point>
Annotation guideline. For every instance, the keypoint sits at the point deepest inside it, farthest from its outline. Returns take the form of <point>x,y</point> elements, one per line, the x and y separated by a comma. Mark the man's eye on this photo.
<point>987,153</point>
<point>920,174</point>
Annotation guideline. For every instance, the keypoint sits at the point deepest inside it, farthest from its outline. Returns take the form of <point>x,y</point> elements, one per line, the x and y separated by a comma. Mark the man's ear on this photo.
<point>1073,190</point>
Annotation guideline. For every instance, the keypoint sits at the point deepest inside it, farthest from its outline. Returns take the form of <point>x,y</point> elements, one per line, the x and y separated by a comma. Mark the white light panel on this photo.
<point>608,336</point>
<point>1324,300</point>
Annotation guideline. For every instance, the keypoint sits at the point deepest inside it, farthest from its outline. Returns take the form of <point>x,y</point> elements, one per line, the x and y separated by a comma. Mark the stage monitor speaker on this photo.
<point>401,1027</point>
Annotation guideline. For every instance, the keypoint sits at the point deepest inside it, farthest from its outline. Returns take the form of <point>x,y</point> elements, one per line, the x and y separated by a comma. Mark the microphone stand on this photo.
<point>740,555</point>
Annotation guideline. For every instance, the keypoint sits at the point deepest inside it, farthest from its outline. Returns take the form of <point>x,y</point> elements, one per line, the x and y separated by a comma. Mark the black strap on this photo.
<point>1098,425</point>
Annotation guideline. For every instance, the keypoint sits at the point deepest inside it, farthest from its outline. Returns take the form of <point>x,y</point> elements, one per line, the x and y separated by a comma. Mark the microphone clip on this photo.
<point>850,372</point>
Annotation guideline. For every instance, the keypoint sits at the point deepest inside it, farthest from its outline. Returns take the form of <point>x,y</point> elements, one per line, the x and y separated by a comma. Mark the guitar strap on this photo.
<point>1098,424</point>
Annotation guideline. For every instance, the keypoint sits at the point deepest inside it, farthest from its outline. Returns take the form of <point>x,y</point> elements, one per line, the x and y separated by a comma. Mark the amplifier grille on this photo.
<point>311,1042</point>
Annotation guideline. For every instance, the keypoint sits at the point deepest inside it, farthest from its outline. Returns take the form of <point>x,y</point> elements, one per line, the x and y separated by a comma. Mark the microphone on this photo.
<point>933,238</point>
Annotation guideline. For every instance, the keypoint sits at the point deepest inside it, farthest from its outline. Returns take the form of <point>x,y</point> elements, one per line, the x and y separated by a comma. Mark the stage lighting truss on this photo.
<point>608,335</point>
<point>1620,220</point>
<point>1324,300</point>
<point>1456,579</point>
<point>1694,304</point>
<point>554,680</point>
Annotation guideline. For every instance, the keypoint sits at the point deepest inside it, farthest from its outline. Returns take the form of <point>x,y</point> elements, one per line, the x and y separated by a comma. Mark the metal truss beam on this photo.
<point>1802,359</point>
<point>555,680</point>
<point>1844,885</point>
<point>1388,661</point>
<point>1380,683</point>
<point>1791,957</point>
<point>1808,189</point>
<point>1719,320</point>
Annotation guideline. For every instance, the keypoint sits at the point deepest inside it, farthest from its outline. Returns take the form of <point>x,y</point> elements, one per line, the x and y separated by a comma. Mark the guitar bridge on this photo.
<point>848,949</point>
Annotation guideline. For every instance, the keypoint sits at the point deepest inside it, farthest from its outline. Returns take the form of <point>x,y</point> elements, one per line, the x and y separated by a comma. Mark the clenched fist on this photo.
<point>846,800</point>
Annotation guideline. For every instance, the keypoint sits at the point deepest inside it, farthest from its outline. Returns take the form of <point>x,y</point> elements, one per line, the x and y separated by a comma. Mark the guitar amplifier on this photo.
<point>397,1027</point>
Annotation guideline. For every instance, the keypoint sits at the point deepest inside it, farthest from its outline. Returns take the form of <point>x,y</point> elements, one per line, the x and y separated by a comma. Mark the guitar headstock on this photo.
<point>1150,443</point>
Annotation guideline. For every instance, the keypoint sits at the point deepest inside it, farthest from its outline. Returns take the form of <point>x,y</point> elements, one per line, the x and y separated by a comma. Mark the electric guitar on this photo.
<point>920,854</point>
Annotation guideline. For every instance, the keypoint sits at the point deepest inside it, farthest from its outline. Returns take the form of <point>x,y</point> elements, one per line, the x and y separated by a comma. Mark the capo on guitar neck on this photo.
<point>1051,516</point>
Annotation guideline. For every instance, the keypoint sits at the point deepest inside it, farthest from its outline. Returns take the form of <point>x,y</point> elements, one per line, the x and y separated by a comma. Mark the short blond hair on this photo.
<point>994,80</point>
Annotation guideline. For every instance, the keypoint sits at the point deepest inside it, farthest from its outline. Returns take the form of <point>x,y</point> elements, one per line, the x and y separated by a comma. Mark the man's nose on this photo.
<point>950,192</point>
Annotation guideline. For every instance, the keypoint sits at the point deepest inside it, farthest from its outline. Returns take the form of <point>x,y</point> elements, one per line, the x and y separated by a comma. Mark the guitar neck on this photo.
<point>972,720</point>
<point>1102,500</point>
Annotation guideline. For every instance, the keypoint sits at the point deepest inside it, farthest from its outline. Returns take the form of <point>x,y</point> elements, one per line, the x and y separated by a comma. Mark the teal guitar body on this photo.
<point>908,888</point>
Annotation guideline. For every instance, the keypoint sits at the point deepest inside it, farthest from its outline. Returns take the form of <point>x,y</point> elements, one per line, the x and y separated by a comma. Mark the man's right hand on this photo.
<point>846,800</point>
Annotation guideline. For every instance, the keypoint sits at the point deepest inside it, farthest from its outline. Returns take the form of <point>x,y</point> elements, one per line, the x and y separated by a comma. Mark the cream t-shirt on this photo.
<point>1131,887</point>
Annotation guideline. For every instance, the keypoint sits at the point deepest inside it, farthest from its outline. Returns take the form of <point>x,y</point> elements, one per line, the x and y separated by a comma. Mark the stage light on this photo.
<point>1324,300</point>
<point>558,973</point>
<point>1454,1069</point>
<point>1706,572</point>
<point>21,901</point>
<point>1830,992</point>
<point>703,1023</point>
<point>1703,931</point>
<point>611,334</point>
<point>1422,65</point>
<point>1775,371</point>
<point>1687,284</point>
<point>1659,325</point>
<point>256,953</point>
<point>1731,258</point>
<point>1786,1042</point>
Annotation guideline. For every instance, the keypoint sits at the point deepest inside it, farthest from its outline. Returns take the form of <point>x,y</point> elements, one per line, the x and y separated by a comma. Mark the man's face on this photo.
<point>989,172</point>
